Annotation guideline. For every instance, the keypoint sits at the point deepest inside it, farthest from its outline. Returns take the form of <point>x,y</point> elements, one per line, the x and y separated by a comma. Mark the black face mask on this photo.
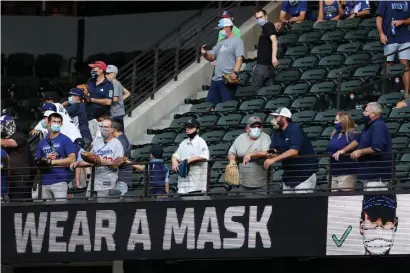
<point>192,135</point>
<point>93,74</point>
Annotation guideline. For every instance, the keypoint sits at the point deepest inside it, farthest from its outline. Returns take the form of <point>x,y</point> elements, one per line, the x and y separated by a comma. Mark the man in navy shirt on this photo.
<point>357,8</point>
<point>125,171</point>
<point>293,11</point>
<point>299,173</point>
<point>101,89</point>
<point>393,20</point>
<point>58,150</point>
<point>374,169</point>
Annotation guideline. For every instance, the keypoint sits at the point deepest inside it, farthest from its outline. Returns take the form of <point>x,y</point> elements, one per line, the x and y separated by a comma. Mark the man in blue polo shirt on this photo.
<point>393,20</point>
<point>101,89</point>
<point>374,169</point>
<point>299,173</point>
<point>55,150</point>
<point>293,11</point>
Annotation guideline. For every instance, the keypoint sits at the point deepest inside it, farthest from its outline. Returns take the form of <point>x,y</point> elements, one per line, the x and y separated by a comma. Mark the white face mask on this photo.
<point>223,34</point>
<point>255,132</point>
<point>378,241</point>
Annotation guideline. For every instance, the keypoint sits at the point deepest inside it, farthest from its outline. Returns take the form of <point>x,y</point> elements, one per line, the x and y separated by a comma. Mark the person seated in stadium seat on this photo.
<point>343,170</point>
<point>78,112</point>
<point>374,169</point>
<point>299,174</point>
<point>251,146</point>
<point>59,149</point>
<point>193,151</point>
<point>393,20</point>
<point>228,54</point>
<point>293,11</point>
<point>329,10</point>
<point>108,148</point>
<point>120,95</point>
<point>101,90</point>
<point>159,172</point>
<point>266,59</point>
<point>357,8</point>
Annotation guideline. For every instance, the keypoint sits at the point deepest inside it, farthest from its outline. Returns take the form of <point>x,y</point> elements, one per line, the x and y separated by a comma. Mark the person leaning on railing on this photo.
<point>343,170</point>
<point>374,169</point>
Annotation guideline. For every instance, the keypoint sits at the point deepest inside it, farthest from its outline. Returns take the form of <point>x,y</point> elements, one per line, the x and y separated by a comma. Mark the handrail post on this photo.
<point>92,181</point>
<point>339,88</point>
<point>155,79</point>
<point>208,178</point>
<point>393,171</point>
<point>329,175</point>
<point>133,87</point>
<point>147,179</point>
<point>268,178</point>
<point>384,77</point>
<point>176,69</point>
<point>198,45</point>
<point>40,185</point>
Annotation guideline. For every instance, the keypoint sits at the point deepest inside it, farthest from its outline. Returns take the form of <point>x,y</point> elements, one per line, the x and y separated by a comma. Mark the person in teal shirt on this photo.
<point>235,30</point>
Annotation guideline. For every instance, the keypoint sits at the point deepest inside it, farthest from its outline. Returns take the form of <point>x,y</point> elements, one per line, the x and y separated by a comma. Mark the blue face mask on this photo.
<point>55,127</point>
<point>223,33</point>
<point>70,100</point>
<point>261,21</point>
<point>338,127</point>
<point>43,123</point>
<point>366,119</point>
<point>255,133</point>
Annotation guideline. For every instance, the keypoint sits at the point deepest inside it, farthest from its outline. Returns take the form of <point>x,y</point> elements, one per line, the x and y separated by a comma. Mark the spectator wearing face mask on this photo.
<point>59,149</point>
<point>78,113</point>
<point>101,90</point>
<point>235,30</point>
<point>120,95</point>
<point>329,10</point>
<point>251,148</point>
<point>95,125</point>
<point>293,11</point>
<point>194,151</point>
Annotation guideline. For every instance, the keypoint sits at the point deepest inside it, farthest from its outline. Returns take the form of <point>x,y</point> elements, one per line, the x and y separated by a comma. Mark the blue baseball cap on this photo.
<point>77,92</point>
<point>49,106</point>
<point>227,14</point>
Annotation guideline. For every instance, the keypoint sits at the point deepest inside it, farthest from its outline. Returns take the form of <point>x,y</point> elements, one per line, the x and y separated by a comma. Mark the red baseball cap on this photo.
<point>98,64</point>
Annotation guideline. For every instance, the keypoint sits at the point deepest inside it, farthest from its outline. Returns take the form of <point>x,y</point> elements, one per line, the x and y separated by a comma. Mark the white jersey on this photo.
<point>69,129</point>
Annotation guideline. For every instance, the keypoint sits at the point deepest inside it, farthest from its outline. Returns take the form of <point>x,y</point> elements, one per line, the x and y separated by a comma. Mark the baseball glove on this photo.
<point>232,174</point>
<point>119,161</point>
<point>87,93</point>
<point>228,80</point>
<point>91,158</point>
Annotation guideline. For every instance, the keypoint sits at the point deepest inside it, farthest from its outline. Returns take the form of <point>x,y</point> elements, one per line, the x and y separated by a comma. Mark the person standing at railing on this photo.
<point>393,20</point>
<point>124,171</point>
<point>343,170</point>
<point>56,149</point>
<point>329,10</point>
<point>188,160</point>
<point>228,54</point>
<point>357,8</point>
<point>374,169</point>
<point>251,146</point>
<point>299,174</point>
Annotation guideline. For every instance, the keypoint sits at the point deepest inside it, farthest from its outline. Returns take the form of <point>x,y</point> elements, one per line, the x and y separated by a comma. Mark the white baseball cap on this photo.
<point>47,113</point>
<point>224,22</point>
<point>111,69</point>
<point>282,111</point>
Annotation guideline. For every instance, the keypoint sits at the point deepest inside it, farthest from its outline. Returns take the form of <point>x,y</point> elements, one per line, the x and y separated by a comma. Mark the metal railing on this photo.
<point>210,180</point>
<point>152,69</point>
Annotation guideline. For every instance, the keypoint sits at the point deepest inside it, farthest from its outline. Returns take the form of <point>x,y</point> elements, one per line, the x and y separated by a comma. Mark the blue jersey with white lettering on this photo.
<point>397,10</point>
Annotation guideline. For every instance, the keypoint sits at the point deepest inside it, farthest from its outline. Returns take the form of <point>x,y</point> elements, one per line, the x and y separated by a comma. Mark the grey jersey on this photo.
<point>117,108</point>
<point>226,51</point>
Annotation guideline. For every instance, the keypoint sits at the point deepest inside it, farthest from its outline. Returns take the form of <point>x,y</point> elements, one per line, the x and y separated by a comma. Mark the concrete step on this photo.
<point>162,124</point>
<point>202,94</point>
<point>252,54</point>
<point>184,108</point>
<point>146,137</point>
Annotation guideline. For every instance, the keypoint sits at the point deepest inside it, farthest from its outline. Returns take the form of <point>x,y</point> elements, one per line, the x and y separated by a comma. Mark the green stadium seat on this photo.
<point>402,172</point>
<point>297,89</point>
<point>325,25</point>
<point>203,107</point>
<point>285,63</point>
<point>334,73</point>
<point>314,74</point>
<point>369,23</point>
<point>313,131</point>
<point>405,128</point>
<point>233,134</point>
<point>297,50</point>
<point>358,59</point>
<point>213,136</point>
<point>320,146</point>
<point>324,49</point>
<point>219,150</point>
<point>305,62</point>
<point>304,103</point>
<point>360,127</point>
<point>378,58</point>
<point>179,122</point>
<point>306,116</point>
<point>327,86</point>
<point>327,132</point>
<point>310,37</point>
<point>394,70</point>
<point>245,91</point>
<point>169,151</point>
<point>244,78</point>
<point>180,137</point>
<point>230,120</point>
<point>332,60</point>
<point>324,162</point>
<point>350,85</point>
<point>219,166</point>
<point>326,116</point>
<point>374,46</point>
<point>208,120</point>
<point>249,66</point>
<point>164,138</point>
<point>400,143</point>
<point>348,23</point>
<point>288,38</point>
<point>390,99</point>
<point>333,36</point>
<point>369,71</point>
<point>373,34</point>
<point>277,176</point>
<point>322,179</point>
<point>405,158</point>
<point>393,127</point>
<point>274,104</point>
<point>386,111</point>
<point>349,48</point>
<point>227,106</point>
<point>252,105</point>
<point>356,34</point>
<point>356,114</point>
<point>258,114</point>
<point>141,153</point>
<point>287,76</point>
<point>270,91</point>
<point>268,130</point>
<point>302,26</point>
